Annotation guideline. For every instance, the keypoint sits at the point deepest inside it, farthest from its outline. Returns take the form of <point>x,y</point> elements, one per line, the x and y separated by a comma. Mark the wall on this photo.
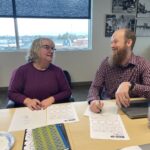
<point>82,65</point>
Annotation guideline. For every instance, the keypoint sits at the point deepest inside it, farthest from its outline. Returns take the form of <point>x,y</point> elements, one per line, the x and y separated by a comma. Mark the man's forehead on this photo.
<point>117,34</point>
<point>113,37</point>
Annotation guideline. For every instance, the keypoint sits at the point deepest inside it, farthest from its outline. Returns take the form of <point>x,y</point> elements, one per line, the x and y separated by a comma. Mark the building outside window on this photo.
<point>25,20</point>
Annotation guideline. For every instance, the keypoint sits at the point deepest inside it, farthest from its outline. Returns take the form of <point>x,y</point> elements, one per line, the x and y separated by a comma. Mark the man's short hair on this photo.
<point>130,35</point>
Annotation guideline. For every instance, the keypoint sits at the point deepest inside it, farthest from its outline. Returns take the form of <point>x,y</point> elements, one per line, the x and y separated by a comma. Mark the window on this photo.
<point>66,22</point>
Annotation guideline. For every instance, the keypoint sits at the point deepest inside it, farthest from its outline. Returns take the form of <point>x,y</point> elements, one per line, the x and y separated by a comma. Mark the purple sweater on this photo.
<point>29,82</point>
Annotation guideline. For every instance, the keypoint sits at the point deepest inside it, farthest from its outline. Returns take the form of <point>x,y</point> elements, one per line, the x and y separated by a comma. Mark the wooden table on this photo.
<point>79,132</point>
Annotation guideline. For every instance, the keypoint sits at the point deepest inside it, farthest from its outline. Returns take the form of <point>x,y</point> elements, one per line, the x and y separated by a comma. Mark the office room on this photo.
<point>82,65</point>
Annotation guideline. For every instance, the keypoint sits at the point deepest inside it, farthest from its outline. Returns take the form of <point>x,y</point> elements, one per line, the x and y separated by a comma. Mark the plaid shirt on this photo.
<point>108,79</point>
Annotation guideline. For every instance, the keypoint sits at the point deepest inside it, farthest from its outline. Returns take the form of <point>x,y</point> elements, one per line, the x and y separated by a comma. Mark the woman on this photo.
<point>39,83</point>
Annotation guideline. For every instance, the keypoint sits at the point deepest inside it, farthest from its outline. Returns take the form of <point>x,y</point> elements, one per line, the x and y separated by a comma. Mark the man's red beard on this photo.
<point>117,57</point>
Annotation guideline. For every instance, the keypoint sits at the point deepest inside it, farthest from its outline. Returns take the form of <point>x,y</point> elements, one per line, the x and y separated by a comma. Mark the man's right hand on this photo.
<point>96,106</point>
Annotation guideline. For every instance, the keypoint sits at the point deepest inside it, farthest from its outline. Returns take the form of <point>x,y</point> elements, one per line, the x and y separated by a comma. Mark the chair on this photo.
<point>68,77</point>
<point>11,104</point>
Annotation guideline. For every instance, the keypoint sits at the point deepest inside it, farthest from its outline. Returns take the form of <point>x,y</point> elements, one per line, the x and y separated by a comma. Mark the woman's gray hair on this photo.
<point>32,54</point>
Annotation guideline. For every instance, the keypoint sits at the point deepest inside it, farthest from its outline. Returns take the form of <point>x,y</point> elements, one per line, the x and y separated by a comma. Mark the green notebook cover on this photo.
<point>51,137</point>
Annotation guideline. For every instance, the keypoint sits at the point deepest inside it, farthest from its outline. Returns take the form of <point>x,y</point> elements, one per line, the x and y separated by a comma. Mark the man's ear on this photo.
<point>129,42</point>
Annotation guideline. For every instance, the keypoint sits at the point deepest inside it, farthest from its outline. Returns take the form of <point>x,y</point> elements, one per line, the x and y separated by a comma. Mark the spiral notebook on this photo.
<point>51,137</point>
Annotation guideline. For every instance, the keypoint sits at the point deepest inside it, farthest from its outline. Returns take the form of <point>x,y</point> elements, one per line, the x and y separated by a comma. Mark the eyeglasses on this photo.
<point>47,47</point>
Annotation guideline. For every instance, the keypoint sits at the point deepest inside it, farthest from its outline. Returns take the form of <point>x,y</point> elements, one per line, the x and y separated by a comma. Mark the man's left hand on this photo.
<point>122,94</point>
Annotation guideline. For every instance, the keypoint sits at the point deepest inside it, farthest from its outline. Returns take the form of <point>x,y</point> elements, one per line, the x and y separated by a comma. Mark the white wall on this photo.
<point>82,65</point>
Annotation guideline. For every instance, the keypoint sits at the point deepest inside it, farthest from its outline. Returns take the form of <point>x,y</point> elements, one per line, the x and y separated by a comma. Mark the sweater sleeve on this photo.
<point>64,88</point>
<point>16,86</point>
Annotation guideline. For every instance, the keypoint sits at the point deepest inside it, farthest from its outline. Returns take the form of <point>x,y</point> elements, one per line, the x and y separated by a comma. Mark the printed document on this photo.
<point>61,113</point>
<point>24,118</point>
<point>109,108</point>
<point>107,124</point>
<point>132,148</point>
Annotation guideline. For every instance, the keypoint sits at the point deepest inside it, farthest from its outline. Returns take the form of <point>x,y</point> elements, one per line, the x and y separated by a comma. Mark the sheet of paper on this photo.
<point>109,108</point>
<point>28,143</point>
<point>107,126</point>
<point>61,113</point>
<point>132,148</point>
<point>24,118</point>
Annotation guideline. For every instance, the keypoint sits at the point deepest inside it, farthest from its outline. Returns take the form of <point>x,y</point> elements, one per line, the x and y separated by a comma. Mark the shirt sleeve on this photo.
<point>97,84</point>
<point>64,89</point>
<point>143,89</point>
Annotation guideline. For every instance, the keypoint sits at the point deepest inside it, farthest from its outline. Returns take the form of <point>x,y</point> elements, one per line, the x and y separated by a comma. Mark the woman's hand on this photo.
<point>47,102</point>
<point>33,104</point>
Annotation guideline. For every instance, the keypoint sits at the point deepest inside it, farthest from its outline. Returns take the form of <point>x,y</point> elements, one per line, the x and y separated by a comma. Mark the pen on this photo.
<point>98,104</point>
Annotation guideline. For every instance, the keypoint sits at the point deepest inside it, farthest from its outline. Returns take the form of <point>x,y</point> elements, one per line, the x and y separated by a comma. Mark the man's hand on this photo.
<point>96,106</point>
<point>122,94</point>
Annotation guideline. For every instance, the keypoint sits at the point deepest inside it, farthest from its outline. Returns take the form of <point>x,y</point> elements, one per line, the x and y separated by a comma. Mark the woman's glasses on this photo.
<point>47,47</point>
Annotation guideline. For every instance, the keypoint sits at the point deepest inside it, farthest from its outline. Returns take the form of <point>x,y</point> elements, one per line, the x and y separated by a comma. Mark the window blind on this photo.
<point>46,8</point>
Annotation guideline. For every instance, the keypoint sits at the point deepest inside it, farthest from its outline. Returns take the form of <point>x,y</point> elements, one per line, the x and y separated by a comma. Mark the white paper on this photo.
<point>107,126</point>
<point>132,148</point>
<point>108,108</point>
<point>24,118</point>
<point>28,141</point>
<point>61,113</point>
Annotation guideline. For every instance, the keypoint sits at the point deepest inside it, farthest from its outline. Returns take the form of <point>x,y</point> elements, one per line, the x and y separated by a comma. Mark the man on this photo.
<point>122,75</point>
